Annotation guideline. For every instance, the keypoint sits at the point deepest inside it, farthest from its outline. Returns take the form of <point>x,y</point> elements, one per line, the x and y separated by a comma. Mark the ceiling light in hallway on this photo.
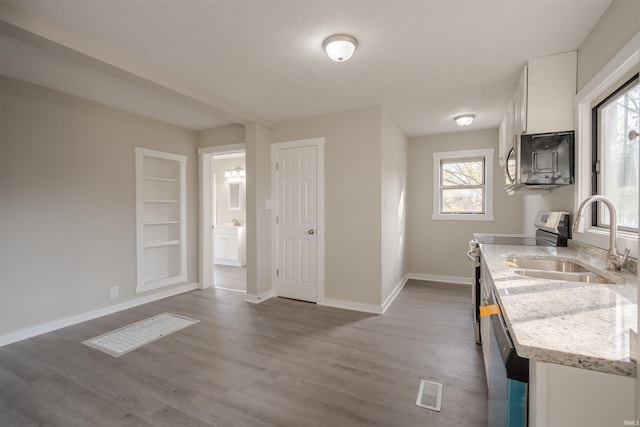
<point>465,119</point>
<point>340,47</point>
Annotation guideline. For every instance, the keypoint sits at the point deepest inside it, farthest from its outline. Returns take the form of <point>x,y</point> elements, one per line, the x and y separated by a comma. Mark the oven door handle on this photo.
<point>472,257</point>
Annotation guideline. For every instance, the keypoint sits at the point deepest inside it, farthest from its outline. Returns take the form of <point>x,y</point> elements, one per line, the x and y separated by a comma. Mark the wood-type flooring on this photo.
<point>229,277</point>
<point>278,363</point>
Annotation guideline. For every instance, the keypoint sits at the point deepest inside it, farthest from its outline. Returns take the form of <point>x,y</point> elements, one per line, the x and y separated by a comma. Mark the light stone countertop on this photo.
<point>584,325</point>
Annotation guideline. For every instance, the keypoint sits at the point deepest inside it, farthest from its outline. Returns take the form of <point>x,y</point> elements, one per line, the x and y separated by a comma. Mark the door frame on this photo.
<point>206,192</point>
<point>319,144</point>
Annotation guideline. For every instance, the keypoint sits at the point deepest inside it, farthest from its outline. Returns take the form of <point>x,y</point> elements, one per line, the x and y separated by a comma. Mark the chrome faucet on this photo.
<point>615,261</point>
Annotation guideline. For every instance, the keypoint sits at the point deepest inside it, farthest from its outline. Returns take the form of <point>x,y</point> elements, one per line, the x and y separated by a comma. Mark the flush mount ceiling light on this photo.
<point>340,47</point>
<point>465,119</point>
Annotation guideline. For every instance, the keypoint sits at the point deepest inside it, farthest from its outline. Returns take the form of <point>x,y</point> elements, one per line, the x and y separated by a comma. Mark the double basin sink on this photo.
<point>554,269</point>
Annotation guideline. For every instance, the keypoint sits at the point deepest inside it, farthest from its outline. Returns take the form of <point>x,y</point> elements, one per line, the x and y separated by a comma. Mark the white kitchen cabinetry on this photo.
<point>542,101</point>
<point>160,219</point>
<point>229,246</point>
<point>563,396</point>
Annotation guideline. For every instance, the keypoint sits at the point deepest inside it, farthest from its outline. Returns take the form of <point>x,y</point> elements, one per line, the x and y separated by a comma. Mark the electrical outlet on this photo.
<point>115,292</point>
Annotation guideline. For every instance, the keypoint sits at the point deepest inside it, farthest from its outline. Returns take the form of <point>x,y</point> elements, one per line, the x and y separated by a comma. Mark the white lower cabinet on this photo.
<point>563,396</point>
<point>229,246</point>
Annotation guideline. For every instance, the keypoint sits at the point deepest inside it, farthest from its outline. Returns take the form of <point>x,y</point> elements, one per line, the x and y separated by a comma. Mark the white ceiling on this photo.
<point>204,63</point>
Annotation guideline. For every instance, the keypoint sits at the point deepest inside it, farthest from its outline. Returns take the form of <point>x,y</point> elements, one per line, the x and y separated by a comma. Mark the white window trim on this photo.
<point>625,62</point>
<point>488,154</point>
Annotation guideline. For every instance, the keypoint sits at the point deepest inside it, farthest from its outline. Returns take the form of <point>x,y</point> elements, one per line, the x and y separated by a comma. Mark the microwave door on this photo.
<point>511,166</point>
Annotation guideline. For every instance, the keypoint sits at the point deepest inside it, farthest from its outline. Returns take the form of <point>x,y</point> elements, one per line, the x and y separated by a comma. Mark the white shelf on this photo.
<point>161,216</point>
<point>161,244</point>
<point>160,282</point>
<point>161,222</point>
<point>159,178</point>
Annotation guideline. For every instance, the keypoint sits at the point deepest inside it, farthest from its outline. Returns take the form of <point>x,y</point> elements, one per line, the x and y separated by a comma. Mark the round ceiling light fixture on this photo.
<point>340,47</point>
<point>465,119</point>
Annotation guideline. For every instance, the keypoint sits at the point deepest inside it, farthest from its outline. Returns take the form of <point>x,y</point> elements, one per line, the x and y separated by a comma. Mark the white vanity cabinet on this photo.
<point>229,246</point>
<point>542,101</point>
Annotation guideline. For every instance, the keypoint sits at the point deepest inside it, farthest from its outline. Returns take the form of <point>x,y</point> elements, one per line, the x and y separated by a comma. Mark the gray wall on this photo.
<point>619,23</point>
<point>258,144</point>
<point>67,202</point>
<point>352,199</point>
<point>439,247</point>
<point>222,135</point>
<point>394,205</point>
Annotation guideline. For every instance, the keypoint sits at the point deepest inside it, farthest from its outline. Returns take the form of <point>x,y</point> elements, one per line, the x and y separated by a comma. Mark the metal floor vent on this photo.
<point>429,395</point>
<point>128,338</point>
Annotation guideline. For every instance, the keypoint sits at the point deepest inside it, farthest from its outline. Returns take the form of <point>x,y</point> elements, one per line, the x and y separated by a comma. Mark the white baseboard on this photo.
<point>392,296</point>
<point>43,328</point>
<point>351,305</point>
<point>438,278</point>
<point>253,299</point>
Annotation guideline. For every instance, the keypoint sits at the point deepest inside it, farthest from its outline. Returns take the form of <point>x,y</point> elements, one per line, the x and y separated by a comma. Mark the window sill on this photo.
<point>600,239</point>
<point>462,217</point>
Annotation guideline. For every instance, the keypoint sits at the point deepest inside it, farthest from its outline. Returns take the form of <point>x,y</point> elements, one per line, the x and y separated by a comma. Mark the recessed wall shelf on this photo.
<point>157,178</point>
<point>160,219</point>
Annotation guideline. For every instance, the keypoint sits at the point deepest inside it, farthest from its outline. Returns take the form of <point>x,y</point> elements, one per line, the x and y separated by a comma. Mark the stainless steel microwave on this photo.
<point>540,162</point>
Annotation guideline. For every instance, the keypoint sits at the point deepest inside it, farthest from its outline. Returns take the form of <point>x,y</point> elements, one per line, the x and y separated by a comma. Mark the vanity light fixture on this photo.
<point>235,173</point>
<point>465,119</point>
<point>340,47</point>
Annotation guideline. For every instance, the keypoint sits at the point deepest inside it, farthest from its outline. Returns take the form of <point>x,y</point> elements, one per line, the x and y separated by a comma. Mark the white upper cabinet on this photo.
<point>551,89</point>
<point>542,101</point>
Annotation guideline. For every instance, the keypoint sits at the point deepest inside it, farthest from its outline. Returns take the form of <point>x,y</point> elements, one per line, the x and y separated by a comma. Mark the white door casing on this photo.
<point>206,209</point>
<point>298,220</point>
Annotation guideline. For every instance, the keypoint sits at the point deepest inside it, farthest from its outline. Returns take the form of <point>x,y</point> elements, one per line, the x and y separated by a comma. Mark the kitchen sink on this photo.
<point>545,264</point>
<point>585,277</point>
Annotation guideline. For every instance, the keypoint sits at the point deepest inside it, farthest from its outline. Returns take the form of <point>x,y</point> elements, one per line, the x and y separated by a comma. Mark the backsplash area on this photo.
<point>592,251</point>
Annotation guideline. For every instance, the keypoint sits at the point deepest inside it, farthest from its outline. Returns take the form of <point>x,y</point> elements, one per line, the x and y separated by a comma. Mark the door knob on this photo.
<point>312,231</point>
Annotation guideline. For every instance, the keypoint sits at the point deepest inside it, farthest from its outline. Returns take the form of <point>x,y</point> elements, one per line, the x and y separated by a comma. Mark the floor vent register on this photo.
<point>128,338</point>
<point>429,395</point>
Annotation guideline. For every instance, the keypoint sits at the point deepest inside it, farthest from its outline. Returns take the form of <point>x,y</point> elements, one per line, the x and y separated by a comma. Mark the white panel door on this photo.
<point>296,186</point>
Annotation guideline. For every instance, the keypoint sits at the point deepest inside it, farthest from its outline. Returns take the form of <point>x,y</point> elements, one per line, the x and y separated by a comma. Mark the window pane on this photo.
<point>462,200</point>
<point>456,173</point>
<point>620,156</point>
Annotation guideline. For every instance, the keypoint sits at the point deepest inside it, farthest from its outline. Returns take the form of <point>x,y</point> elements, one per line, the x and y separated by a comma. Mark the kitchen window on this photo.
<point>616,156</point>
<point>463,185</point>
<point>604,161</point>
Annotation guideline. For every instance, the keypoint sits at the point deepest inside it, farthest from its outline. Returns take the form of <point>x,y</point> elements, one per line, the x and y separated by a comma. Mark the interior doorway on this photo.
<point>223,217</point>
<point>229,220</point>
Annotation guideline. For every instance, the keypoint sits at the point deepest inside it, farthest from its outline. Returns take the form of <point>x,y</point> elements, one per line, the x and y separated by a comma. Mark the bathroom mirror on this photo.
<point>235,196</point>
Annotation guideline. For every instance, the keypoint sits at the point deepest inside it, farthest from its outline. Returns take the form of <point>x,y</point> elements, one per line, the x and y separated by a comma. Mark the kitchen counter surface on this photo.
<point>585,325</point>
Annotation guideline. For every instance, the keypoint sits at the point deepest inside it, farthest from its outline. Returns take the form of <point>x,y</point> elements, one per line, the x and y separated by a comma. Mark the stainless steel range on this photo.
<point>552,229</point>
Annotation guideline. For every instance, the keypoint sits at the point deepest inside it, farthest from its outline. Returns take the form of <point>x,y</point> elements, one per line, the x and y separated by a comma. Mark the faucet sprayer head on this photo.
<point>578,224</point>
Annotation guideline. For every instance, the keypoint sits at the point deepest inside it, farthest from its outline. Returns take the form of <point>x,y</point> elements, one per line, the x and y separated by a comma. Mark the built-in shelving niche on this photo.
<point>160,219</point>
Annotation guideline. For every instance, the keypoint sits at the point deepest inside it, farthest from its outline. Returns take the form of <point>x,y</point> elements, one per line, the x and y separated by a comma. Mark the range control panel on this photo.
<point>553,222</point>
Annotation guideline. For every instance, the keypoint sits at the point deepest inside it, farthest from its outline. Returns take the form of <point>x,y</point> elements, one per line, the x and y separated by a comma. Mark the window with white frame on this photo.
<point>463,185</point>
<point>616,158</point>
<point>607,148</point>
